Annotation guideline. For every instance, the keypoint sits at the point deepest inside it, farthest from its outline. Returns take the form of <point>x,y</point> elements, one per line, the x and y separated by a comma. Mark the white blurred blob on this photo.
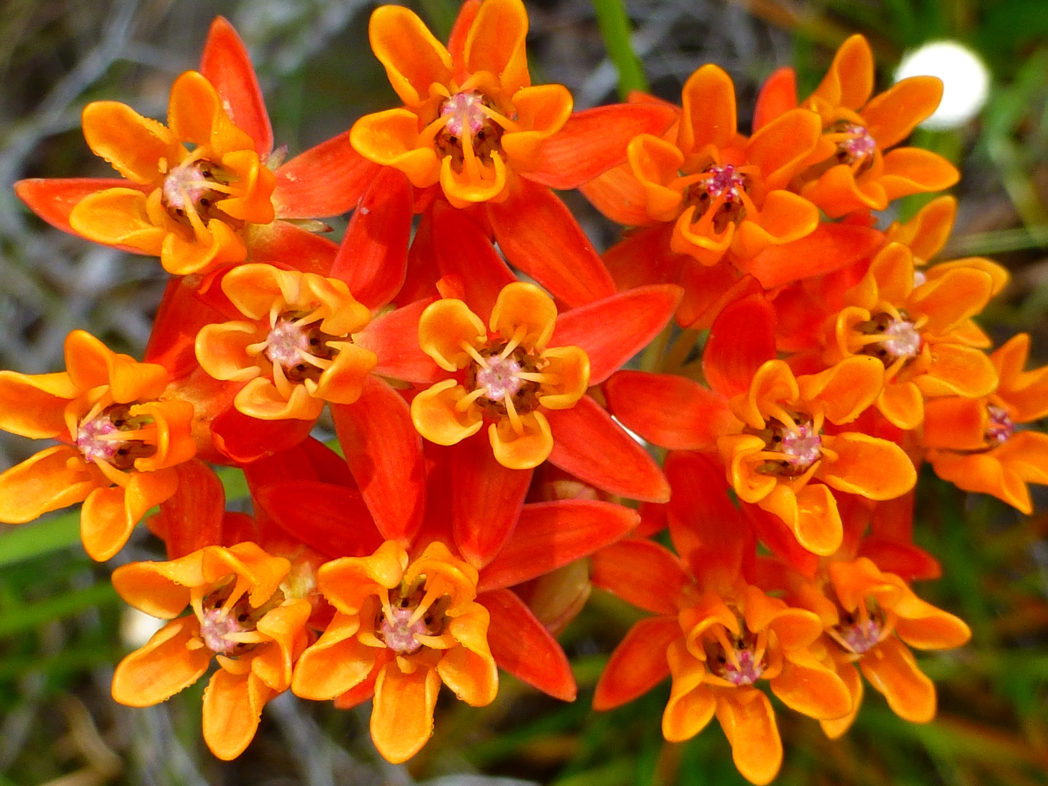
<point>965,78</point>
<point>136,627</point>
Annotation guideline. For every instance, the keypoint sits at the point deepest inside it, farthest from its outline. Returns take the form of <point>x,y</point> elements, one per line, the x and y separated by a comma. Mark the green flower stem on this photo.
<point>615,29</point>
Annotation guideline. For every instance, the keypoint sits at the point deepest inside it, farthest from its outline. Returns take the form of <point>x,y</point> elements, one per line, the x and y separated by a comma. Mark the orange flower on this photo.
<point>244,615</point>
<point>297,351</point>
<point>854,168</point>
<point>121,442</point>
<point>782,460</point>
<point>976,444</point>
<point>511,376</point>
<point>473,128</point>
<point>723,193</point>
<point>726,647</point>
<point>404,626</point>
<point>918,324</point>
<point>871,619</point>
<point>197,191</point>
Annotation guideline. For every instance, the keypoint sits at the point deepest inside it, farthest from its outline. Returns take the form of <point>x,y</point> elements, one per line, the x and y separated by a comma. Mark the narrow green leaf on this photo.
<point>39,538</point>
<point>615,28</point>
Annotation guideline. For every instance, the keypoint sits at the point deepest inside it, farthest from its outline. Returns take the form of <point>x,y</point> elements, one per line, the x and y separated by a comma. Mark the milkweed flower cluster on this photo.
<point>470,344</point>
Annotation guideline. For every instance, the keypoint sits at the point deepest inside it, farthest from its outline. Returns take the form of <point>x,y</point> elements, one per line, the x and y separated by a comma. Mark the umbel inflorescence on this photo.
<point>809,363</point>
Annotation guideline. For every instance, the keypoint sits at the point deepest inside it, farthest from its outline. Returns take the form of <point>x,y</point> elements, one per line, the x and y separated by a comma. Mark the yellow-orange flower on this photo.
<point>243,615</point>
<point>120,442</point>
<point>871,619</point>
<point>782,459</point>
<point>193,185</point>
<point>918,323</point>
<point>470,117</point>
<point>295,349</point>
<point>404,626</point>
<point>726,648</point>
<point>505,374</point>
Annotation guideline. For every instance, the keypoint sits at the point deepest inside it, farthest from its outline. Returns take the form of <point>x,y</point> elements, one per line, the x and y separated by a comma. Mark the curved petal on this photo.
<point>413,58</point>
<point>402,715</point>
<point>812,689</point>
<point>872,467</point>
<point>335,663</point>
<point>641,572</point>
<point>437,415</point>
<point>231,712</point>
<point>486,501</point>
<point>522,446</point>
<point>133,144</point>
<point>51,479</point>
<point>708,117</point>
<point>495,43</point>
<point>741,339</point>
<point>117,217</point>
<point>748,721</point>
<point>892,115</point>
<point>326,180</point>
<point>891,668</point>
<point>163,667</point>
<point>53,199</point>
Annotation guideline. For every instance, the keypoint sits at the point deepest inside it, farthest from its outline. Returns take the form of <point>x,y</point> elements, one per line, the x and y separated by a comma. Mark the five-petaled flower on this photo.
<point>242,615</point>
<point>120,441</point>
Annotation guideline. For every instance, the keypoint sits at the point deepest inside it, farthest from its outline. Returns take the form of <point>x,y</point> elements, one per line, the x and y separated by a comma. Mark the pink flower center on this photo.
<point>745,670</point>
<point>902,339</point>
<point>801,447</point>
<point>464,110</point>
<point>185,186</point>
<point>724,182</point>
<point>95,440</point>
<point>219,629</point>
<point>860,637</point>
<point>398,630</point>
<point>1000,425</point>
<point>287,343</point>
<point>499,378</point>
<point>858,145</point>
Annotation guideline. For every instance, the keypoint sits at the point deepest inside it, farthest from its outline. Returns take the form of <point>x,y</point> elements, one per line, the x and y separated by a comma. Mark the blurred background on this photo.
<point>61,625</point>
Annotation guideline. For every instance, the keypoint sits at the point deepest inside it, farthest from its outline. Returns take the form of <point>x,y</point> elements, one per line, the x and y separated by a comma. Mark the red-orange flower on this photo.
<point>243,615</point>
<point>200,190</point>
<point>121,440</point>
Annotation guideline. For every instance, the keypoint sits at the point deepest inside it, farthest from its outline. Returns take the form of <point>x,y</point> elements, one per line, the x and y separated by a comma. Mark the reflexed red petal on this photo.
<point>373,256</point>
<point>486,499</point>
<point>192,518</point>
<point>830,247</point>
<point>538,234</point>
<point>181,314</point>
<point>292,247</point>
<point>53,199</point>
<point>613,330</point>
<point>393,337</point>
<point>243,439</point>
<point>638,664</point>
<point>226,65</point>
<point>466,256</point>
<point>594,140</point>
<point>326,180</point>
<point>668,410</point>
<point>777,96</point>
<point>523,647</point>
<point>642,573</point>
<point>384,453</point>
<point>551,534</point>
<point>741,339</point>
<point>644,257</point>
<point>591,446</point>
<point>710,533</point>
<point>331,519</point>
